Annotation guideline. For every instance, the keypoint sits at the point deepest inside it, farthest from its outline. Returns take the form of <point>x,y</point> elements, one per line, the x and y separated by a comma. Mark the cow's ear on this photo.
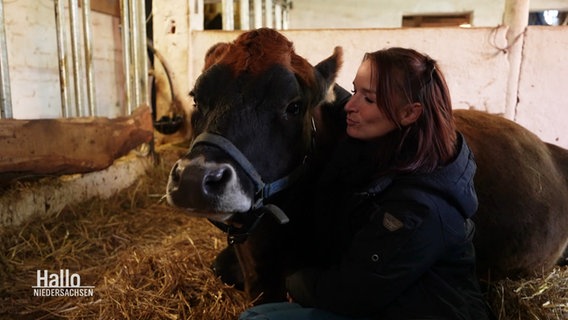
<point>329,68</point>
<point>214,54</point>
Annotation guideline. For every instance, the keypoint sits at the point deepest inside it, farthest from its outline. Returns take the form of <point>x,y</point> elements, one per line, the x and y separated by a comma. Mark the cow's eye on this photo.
<point>192,95</point>
<point>294,108</point>
<point>197,107</point>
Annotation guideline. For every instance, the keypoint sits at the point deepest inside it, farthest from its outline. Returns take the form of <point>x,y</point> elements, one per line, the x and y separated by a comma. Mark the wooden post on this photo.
<point>516,17</point>
<point>172,39</point>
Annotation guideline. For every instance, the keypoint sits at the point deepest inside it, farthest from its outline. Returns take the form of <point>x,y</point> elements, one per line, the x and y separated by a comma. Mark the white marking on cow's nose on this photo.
<point>231,196</point>
<point>219,183</point>
<point>216,178</point>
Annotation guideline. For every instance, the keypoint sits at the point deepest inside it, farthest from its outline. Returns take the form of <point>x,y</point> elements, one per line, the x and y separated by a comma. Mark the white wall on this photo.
<point>475,69</point>
<point>341,14</point>
<point>473,60</point>
<point>540,5</point>
<point>543,86</point>
<point>33,61</point>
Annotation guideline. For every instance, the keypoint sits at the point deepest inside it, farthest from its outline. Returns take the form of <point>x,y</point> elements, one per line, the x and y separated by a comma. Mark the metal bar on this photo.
<point>257,7</point>
<point>73,18</point>
<point>142,54</point>
<point>62,57</point>
<point>228,15</point>
<point>277,16</point>
<point>125,22</point>
<point>5,92</point>
<point>244,14</point>
<point>88,43</point>
<point>285,16</point>
<point>268,13</point>
<point>134,39</point>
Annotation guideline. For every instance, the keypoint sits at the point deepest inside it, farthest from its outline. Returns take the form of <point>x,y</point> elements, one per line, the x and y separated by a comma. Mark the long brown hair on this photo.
<point>405,76</point>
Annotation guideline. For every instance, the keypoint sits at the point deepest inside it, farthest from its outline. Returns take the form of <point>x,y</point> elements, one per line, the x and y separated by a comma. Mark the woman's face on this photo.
<point>365,121</point>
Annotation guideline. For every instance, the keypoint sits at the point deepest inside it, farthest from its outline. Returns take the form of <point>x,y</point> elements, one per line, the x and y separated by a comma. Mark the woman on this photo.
<point>394,206</point>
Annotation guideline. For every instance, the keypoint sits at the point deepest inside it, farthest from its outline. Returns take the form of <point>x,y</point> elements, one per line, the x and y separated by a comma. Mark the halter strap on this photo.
<point>263,190</point>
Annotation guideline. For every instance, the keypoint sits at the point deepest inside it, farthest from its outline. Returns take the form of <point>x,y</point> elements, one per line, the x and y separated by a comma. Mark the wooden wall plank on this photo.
<point>110,7</point>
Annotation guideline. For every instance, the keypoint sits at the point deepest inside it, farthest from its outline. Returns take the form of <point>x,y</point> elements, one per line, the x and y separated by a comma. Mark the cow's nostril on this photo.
<point>175,174</point>
<point>215,180</point>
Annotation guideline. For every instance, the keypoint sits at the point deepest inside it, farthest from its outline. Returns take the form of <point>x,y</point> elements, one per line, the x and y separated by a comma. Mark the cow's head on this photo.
<point>252,123</point>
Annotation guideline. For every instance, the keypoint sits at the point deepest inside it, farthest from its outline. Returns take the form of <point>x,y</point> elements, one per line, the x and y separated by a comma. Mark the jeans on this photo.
<point>286,311</point>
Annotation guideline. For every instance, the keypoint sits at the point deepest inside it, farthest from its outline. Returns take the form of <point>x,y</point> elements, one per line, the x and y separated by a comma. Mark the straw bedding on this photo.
<point>147,260</point>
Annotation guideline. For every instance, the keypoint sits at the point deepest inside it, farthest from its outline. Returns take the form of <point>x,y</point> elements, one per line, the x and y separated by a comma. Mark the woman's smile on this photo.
<point>351,122</point>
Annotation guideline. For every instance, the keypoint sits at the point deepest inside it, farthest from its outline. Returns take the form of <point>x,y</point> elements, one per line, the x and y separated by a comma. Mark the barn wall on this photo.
<point>33,62</point>
<point>543,86</point>
<point>307,14</point>
<point>475,65</point>
<point>386,13</point>
<point>471,50</point>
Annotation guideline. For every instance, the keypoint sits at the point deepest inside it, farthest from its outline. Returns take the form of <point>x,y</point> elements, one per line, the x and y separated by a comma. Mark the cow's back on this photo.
<point>522,185</point>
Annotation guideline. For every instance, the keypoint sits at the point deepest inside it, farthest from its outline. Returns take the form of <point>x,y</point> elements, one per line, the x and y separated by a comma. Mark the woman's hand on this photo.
<point>289,297</point>
<point>301,286</point>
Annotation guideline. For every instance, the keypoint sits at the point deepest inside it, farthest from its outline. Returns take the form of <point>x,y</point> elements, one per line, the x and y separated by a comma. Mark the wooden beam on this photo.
<point>516,17</point>
<point>72,145</point>
<point>110,7</point>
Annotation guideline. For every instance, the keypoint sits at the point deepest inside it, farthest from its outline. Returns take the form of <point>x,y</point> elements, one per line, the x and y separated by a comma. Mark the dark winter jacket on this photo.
<point>397,247</point>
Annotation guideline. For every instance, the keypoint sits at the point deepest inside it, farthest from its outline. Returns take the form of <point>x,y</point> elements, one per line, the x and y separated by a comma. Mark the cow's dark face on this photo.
<point>265,113</point>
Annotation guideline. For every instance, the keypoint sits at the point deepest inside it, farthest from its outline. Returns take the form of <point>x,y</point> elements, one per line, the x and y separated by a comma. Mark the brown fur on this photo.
<point>522,221</point>
<point>256,51</point>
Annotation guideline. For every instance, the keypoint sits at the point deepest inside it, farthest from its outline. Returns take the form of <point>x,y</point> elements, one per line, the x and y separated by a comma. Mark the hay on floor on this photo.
<point>539,298</point>
<point>147,260</point>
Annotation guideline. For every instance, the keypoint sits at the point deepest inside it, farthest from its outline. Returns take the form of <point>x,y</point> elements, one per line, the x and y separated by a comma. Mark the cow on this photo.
<point>265,121</point>
<point>522,188</point>
<point>259,139</point>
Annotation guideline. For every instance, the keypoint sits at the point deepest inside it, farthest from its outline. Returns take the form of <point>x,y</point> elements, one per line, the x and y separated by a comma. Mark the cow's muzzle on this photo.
<point>202,186</point>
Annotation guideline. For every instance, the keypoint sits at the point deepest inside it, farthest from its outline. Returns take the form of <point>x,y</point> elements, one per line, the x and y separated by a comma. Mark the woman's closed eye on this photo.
<point>367,98</point>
